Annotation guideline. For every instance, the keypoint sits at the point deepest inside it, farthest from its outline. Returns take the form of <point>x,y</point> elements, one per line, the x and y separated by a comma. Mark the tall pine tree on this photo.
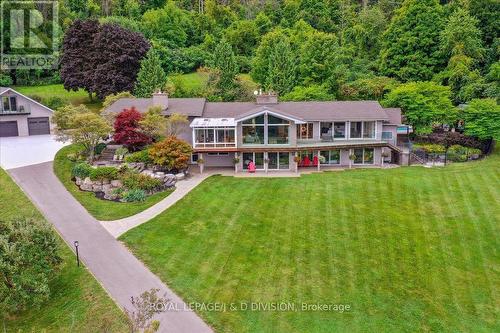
<point>151,76</point>
<point>282,75</point>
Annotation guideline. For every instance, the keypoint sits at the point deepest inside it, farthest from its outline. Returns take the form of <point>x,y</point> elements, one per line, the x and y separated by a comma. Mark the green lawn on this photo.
<point>409,249</point>
<point>57,90</point>
<point>103,210</point>
<point>77,302</point>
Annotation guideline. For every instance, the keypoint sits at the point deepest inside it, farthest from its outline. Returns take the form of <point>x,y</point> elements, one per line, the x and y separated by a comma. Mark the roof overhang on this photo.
<point>212,122</point>
<point>271,112</point>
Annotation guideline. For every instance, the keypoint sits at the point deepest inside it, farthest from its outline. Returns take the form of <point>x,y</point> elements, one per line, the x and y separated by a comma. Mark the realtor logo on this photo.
<point>29,34</point>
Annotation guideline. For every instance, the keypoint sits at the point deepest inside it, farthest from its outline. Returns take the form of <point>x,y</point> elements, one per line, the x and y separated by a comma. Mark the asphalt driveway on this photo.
<point>21,151</point>
<point>118,270</point>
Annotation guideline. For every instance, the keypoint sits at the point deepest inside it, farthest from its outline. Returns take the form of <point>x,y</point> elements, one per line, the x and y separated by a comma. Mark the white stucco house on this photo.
<point>23,116</point>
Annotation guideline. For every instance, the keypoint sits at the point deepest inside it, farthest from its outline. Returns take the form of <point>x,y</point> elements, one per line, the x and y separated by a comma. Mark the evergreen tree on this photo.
<point>462,35</point>
<point>225,62</point>
<point>282,75</point>
<point>411,43</point>
<point>151,76</point>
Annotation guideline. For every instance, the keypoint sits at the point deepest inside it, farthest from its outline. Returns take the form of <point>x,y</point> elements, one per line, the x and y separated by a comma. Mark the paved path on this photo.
<point>183,187</point>
<point>120,273</point>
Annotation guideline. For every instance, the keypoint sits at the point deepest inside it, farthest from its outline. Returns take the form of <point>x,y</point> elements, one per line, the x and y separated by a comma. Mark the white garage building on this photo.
<point>22,116</point>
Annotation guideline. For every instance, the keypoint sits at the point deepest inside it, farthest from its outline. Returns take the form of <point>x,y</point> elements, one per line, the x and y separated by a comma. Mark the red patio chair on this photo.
<point>315,160</point>
<point>306,161</point>
<point>251,167</point>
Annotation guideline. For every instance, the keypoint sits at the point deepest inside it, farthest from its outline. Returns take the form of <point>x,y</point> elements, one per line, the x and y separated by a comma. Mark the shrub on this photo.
<point>171,153</point>
<point>134,195</point>
<point>135,181</point>
<point>431,148</point>
<point>81,170</point>
<point>54,102</point>
<point>121,151</point>
<point>141,156</point>
<point>99,148</point>
<point>102,173</point>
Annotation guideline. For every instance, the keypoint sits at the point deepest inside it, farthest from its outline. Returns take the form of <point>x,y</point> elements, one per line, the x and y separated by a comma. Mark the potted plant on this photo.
<point>352,157</point>
<point>236,161</point>
<point>296,159</point>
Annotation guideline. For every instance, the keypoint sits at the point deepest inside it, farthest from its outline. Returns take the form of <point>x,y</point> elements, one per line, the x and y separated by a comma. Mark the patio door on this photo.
<point>257,158</point>
<point>278,161</point>
<point>273,161</point>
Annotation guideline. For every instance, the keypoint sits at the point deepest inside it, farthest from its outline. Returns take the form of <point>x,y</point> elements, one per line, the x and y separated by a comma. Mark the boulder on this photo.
<point>78,181</point>
<point>116,183</point>
<point>105,181</point>
<point>169,180</point>
<point>96,188</point>
<point>107,188</point>
<point>86,185</point>
<point>180,176</point>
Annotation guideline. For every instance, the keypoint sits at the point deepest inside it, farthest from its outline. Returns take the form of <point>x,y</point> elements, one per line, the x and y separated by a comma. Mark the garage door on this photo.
<point>38,126</point>
<point>8,128</point>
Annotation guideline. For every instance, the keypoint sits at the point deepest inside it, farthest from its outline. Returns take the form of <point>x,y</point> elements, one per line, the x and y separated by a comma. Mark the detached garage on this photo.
<point>22,116</point>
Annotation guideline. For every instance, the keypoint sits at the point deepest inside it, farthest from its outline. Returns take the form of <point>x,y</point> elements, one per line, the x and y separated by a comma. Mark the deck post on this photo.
<point>200,157</point>
<point>319,163</point>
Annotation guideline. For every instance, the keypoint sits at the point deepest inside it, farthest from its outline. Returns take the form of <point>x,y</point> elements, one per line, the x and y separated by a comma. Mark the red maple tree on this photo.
<point>127,130</point>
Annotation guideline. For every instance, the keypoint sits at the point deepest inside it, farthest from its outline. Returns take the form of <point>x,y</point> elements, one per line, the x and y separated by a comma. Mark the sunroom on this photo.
<point>214,132</point>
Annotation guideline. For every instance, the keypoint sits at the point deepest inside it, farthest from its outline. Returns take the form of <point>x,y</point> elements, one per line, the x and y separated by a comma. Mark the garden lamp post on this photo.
<point>77,255</point>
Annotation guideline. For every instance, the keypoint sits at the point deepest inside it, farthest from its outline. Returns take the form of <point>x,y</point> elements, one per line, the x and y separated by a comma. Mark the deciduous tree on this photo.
<point>29,255</point>
<point>128,131</point>
<point>482,119</point>
<point>82,126</point>
<point>424,104</point>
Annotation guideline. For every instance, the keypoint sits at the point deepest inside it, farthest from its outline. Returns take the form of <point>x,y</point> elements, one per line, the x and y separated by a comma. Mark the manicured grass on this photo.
<point>409,249</point>
<point>103,210</point>
<point>57,90</point>
<point>192,81</point>
<point>77,302</point>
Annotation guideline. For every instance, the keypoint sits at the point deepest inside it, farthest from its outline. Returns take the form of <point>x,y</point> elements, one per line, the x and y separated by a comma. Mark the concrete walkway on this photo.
<point>183,187</point>
<point>120,273</point>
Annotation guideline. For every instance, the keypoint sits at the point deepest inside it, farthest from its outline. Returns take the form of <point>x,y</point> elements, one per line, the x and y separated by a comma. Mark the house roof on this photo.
<point>301,111</point>
<point>306,111</point>
<point>6,89</point>
<point>191,107</point>
<point>394,115</point>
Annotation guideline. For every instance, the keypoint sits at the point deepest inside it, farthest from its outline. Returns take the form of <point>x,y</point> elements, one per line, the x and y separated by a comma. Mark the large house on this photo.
<point>275,134</point>
<point>22,116</point>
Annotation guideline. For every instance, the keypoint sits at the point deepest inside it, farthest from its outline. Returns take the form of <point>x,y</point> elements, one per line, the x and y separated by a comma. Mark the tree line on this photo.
<point>302,49</point>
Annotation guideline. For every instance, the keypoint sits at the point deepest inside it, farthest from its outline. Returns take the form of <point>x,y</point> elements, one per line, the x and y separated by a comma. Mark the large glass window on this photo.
<point>369,130</point>
<point>358,153</point>
<point>339,130</point>
<point>253,134</point>
<point>284,161</point>
<point>6,103</point>
<point>253,131</point>
<point>277,134</point>
<point>386,135</point>
<point>331,156</point>
<point>277,130</point>
<point>355,130</point>
<point>363,155</point>
<point>214,137</point>
<point>326,131</point>
<point>305,131</point>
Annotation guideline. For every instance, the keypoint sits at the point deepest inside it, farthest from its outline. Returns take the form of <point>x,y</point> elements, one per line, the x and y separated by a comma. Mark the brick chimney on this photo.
<point>266,98</point>
<point>160,99</point>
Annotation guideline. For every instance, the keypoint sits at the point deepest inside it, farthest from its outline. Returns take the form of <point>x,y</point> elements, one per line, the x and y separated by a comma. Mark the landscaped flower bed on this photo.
<point>123,183</point>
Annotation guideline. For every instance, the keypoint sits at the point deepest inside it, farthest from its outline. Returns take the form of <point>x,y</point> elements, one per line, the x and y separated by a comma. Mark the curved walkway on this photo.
<point>120,273</point>
<point>183,187</point>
